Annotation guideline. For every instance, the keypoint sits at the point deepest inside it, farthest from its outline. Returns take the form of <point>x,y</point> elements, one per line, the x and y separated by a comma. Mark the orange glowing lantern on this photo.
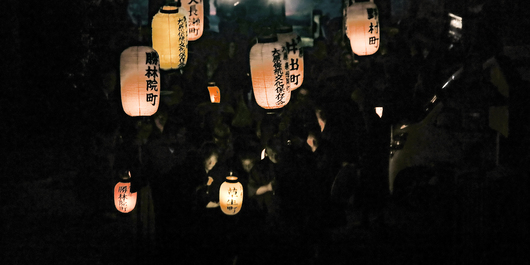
<point>195,9</point>
<point>231,196</point>
<point>140,81</point>
<point>295,56</point>
<point>124,200</point>
<point>170,37</point>
<point>267,69</point>
<point>215,93</point>
<point>362,27</point>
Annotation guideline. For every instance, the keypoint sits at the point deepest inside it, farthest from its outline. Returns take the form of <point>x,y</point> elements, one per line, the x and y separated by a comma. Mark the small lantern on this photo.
<point>295,56</point>
<point>195,9</point>
<point>215,93</point>
<point>170,37</point>
<point>231,196</point>
<point>362,27</point>
<point>267,69</point>
<point>140,81</point>
<point>379,111</point>
<point>124,200</point>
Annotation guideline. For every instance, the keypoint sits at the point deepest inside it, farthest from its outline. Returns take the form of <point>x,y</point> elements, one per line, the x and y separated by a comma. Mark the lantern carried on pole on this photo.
<point>140,81</point>
<point>215,93</point>
<point>231,196</point>
<point>295,56</point>
<point>170,37</point>
<point>267,69</point>
<point>124,200</point>
<point>362,27</point>
<point>195,9</point>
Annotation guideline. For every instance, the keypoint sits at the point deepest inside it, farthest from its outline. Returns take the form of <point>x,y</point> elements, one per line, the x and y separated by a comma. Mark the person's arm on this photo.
<point>264,189</point>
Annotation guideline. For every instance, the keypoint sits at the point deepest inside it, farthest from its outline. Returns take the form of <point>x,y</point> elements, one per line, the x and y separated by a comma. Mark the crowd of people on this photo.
<point>287,160</point>
<point>303,167</point>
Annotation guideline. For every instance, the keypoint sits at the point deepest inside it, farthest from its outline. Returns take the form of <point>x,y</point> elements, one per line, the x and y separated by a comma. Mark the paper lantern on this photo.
<point>231,196</point>
<point>267,69</point>
<point>362,27</point>
<point>215,93</point>
<point>140,81</point>
<point>295,57</point>
<point>124,200</point>
<point>379,111</point>
<point>195,9</point>
<point>170,37</point>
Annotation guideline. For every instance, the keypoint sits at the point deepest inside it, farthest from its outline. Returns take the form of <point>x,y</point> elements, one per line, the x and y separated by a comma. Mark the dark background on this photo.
<point>59,61</point>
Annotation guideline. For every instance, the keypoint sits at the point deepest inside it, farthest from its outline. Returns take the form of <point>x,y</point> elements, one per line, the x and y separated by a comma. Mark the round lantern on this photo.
<point>124,200</point>
<point>140,81</point>
<point>195,9</point>
<point>267,69</point>
<point>295,57</point>
<point>362,27</point>
<point>231,196</point>
<point>170,37</point>
<point>215,93</point>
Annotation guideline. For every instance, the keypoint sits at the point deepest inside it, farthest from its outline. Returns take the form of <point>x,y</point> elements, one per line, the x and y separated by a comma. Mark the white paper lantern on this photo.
<point>170,37</point>
<point>231,196</point>
<point>140,81</point>
<point>295,56</point>
<point>195,9</point>
<point>362,27</point>
<point>267,69</point>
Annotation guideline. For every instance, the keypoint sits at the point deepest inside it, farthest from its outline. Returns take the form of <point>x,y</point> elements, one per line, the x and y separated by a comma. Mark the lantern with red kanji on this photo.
<point>215,93</point>
<point>231,196</point>
<point>140,81</point>
<point>295,57</point>
<point>195,9</point>
<point>362,27</point>
<point>170,37</point>
<point>124,200</point>
<point>267,69</point>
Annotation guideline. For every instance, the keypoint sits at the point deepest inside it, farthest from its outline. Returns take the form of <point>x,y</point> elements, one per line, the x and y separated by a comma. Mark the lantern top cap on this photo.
<point>169,9</point>
<point>285,29</point>
<point>268,35</point>
<point>231,178</point>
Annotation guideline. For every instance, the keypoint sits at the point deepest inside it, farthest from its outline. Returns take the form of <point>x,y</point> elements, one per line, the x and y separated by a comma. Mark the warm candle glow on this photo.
<point>195,11</point>
<point>295,56</point>
<point>231,196</point>
<point>215,94</point>
<point>124,200</point>
<point>269,80</point>
<point>362,28</point>
<point>140,81</point>
<point>170,37</point>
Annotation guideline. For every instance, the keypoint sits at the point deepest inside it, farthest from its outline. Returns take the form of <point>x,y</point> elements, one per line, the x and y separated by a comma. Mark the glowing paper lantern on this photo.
<point>170,37</point>
<point>231,196</point>
<point>124,200</point>
<point>379,111</point>
<point>215,93</point>
<point>267,69</point>
<point>195,9</point>
<point>295,56</point>
<point>362,27</point>
<point>140,81</point>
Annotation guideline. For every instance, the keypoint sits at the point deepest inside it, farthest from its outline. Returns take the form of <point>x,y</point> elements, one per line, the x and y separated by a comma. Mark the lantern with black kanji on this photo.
<point>362,27</point>
<point>124,200</point>
<point>267,70</point>
<point>170,37</point>
<point>195,9</point>
<point>231,196</point>
<point>140,81</point>
<point>295,57</point>
<point>215,93</point>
